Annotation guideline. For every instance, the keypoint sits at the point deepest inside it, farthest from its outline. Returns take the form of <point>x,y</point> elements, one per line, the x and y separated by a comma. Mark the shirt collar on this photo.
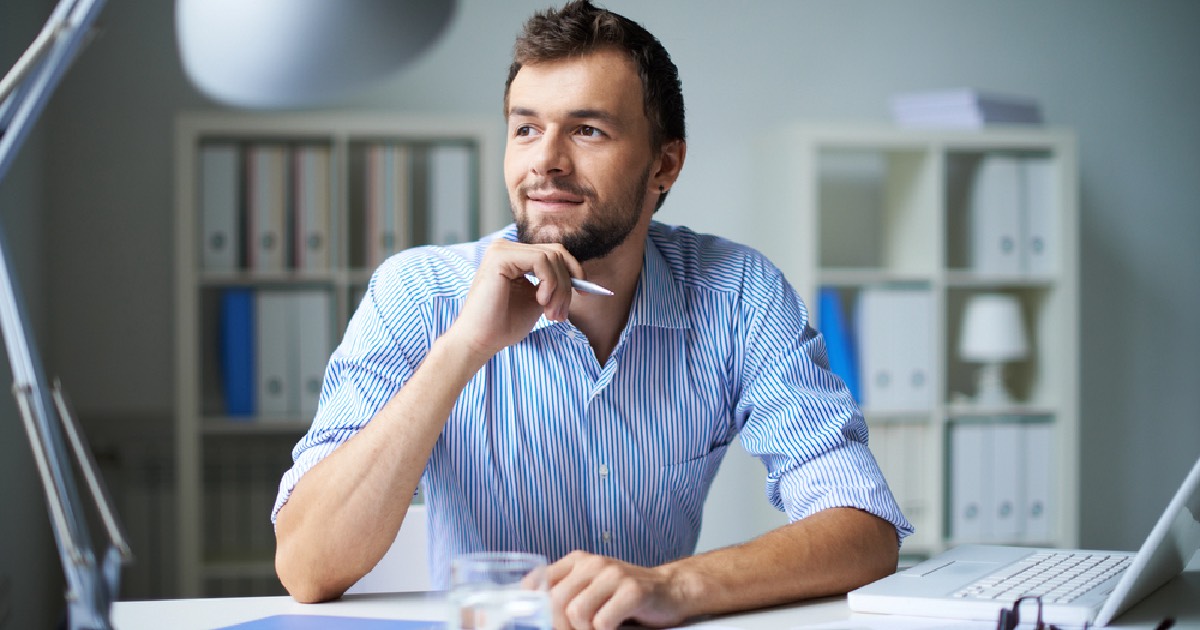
<point>658,301</point>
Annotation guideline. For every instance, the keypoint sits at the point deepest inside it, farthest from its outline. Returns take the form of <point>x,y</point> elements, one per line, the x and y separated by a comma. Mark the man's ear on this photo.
<point>668,164</point>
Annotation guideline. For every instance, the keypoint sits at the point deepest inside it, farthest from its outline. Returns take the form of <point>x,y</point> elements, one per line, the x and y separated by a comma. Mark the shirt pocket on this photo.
<point>684,486</point>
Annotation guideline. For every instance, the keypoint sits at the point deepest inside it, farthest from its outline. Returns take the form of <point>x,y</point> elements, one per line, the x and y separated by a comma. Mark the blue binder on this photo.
<point>839,338</point>
<point>237,350</point>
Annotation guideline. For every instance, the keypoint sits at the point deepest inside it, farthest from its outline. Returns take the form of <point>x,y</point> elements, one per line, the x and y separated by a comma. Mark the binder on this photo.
<point>1040,204</point>
<point>1039,465</point>
<point>266,190</point>
<point>968,486</point>
<point>913,454</point>
<point>389,201</point>
<point>312,314</point>
<point>312,194</point>
<point>237,350</point>
<point>230,536</point>
<point>885,446</point>
<point>1004,514</point>
<point>895,350</point>
<point>219,216</point>
<point>995,216</point>
<point>450,193</point>
<point>839,340</point>
<point>900,451</point>
<point>373,177</point>
<point>274,380</point>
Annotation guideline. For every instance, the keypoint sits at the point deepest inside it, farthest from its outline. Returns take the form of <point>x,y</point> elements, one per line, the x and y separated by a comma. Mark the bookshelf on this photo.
<point>893,231</point>
<point>280,221</point>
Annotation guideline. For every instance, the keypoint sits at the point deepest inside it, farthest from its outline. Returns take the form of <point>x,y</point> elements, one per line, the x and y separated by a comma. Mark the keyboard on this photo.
<point>1059,578</point>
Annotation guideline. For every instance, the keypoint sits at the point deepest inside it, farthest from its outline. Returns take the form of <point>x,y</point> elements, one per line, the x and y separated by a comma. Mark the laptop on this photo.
<point>1076,586</point>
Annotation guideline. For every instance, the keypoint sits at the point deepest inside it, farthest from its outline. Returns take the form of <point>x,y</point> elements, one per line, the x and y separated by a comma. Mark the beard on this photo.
<point>606,227</point>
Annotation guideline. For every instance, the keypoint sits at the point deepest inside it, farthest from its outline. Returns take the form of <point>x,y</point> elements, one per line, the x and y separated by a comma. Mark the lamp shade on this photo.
<point>295,53</point>
<point>992,329</point>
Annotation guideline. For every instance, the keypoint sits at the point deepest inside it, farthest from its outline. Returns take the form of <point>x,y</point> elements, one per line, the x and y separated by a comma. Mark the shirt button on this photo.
<point>606,537</point>
<point>603,470</point>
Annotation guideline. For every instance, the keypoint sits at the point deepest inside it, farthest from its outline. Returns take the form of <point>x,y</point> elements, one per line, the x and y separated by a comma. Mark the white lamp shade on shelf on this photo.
<point>296,53</point>
<point>992,329</point>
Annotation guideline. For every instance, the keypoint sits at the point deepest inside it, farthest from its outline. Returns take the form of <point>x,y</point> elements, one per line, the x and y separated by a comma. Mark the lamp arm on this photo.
<point>91,586</point>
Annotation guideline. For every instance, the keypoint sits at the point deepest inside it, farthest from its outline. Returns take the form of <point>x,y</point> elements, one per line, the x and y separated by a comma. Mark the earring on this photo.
<point>661,190</point>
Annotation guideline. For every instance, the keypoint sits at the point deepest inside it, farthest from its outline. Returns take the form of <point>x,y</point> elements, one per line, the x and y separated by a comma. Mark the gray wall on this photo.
<point>1122,74</point>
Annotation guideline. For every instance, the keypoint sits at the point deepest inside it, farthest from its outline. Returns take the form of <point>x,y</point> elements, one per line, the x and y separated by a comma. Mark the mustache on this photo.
<point>557,185</point>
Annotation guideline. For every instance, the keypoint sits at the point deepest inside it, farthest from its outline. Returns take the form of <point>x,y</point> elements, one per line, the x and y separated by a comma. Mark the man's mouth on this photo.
<point>554,197</point>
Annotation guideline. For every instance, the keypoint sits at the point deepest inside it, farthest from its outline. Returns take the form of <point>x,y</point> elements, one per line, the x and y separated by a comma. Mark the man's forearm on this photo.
<point>831,552</point>
<point>344,513</point>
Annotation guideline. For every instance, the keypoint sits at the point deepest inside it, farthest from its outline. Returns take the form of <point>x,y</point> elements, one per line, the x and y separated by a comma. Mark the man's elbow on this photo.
<point>302,582</point>
<point>884,555</point>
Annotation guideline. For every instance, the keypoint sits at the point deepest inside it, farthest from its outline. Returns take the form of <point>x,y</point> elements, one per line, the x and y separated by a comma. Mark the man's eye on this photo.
<point>523,130</point>
<point>591,132</point>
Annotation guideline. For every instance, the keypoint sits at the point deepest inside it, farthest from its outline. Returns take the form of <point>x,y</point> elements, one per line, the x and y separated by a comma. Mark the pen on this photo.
<point>583,286</point>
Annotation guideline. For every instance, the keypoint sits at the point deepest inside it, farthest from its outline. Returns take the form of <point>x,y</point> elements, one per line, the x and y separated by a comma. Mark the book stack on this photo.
<point>963,108</point>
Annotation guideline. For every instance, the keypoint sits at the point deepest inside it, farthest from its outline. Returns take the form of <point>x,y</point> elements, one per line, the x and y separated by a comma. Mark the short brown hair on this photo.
<point>580,28</point>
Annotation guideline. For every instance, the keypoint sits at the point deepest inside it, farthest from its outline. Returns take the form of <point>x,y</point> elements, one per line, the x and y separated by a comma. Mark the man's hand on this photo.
<point>503,306</point>
<point>596,592</point>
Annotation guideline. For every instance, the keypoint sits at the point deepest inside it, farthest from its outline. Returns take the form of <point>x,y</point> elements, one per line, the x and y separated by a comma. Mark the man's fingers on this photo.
<point>566,579</point>
<point>561,569</point>
<point>622,605</point>
<point>602,584</point>
<point>550,266</point>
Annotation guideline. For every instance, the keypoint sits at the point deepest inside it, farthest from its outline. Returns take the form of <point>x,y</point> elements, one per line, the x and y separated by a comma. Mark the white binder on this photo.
<point>311,312</point>
<point>1040,196</point>
<point>995,216</point>
<point>219,216</point>
<point>450,194</point>
<point>896,365</point>
<point>266,195</point>
<point>274,339</point>
<point>917,501</point>
<point>1038,505</point>
<point>968,482</point>
<point>899,449</point>
<point>1004,514</point>
<point>312,200</point>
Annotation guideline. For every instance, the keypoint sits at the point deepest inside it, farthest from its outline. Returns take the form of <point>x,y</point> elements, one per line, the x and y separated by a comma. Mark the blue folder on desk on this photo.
<point>325,622</point>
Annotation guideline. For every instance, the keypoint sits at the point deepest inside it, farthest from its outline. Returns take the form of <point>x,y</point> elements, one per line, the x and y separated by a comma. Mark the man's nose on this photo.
<point>552,157</point>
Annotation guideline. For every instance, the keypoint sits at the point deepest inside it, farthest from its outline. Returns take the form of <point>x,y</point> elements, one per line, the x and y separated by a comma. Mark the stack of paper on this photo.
<point>964,108</point>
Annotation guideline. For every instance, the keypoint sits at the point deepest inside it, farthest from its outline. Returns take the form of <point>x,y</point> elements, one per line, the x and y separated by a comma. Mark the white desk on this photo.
<point>1180,597</point>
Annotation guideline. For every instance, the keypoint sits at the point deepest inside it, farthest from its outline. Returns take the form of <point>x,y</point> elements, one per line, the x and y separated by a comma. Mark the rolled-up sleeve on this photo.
<point>799,418</point>
<point>385,341</point>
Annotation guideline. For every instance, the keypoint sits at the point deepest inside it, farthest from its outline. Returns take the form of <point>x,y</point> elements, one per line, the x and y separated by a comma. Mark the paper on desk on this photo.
<point>324,622</point>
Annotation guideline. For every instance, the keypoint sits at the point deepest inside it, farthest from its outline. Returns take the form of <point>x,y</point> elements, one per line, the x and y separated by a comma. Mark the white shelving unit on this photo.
<point>233,462</point>
<point>858,209</point>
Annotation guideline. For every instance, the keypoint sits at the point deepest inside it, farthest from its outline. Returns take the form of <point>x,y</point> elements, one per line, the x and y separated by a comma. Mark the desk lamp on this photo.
<point>92,583</point>
<point>992,335</point>
<point>266,53</point>
<point>293,53</point>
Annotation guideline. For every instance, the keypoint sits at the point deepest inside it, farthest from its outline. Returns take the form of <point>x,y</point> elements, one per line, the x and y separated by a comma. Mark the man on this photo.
<point>585,427</point>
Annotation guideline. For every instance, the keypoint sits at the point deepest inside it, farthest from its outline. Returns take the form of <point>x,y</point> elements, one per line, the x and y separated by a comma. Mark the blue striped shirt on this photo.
<point>548,451</point>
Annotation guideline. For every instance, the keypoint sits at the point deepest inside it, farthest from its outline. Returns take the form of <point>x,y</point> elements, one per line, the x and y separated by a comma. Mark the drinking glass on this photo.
<point>499,591</point>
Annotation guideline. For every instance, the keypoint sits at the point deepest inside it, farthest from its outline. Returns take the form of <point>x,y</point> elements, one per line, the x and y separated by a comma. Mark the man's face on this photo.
<point>578,160</point>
